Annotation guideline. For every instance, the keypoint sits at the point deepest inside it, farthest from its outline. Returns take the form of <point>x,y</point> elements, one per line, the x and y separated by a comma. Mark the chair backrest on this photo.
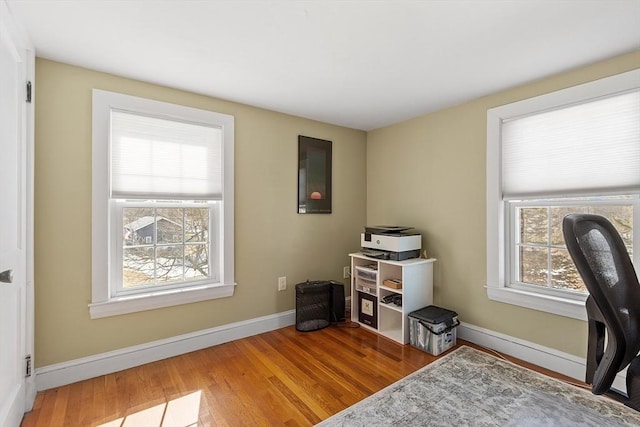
<point>602,260</point>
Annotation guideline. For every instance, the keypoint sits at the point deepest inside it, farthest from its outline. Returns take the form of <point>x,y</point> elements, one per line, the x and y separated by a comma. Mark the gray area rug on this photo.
<point>471,388</point>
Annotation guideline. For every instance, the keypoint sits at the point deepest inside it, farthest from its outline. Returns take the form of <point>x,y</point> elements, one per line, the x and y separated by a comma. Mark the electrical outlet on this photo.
<point>282,283</point>
<point>346,273</point>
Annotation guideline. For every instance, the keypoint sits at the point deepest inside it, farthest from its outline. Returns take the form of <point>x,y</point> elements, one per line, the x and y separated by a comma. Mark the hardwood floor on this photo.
<point>283,377</point>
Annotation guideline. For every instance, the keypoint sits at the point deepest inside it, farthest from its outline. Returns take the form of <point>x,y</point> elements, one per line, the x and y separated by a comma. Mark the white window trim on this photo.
<point>497,289</point>
<point>102,304</point>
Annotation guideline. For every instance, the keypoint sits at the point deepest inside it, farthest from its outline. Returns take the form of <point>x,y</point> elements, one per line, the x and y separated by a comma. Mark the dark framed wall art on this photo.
<point>314,175</point>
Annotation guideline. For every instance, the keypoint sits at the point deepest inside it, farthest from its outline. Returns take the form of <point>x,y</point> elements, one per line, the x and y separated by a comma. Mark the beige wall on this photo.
<point>429,172</point>
<point>271,240</point>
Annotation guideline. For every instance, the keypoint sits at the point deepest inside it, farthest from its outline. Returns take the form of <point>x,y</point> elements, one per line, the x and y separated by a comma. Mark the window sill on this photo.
<point>153,300</point>
<point>547,303</point>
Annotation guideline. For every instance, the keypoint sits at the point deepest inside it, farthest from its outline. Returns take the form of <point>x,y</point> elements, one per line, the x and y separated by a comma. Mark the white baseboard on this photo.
<point>105,363</point>
<point>546,357</point>
<point>30,393</point>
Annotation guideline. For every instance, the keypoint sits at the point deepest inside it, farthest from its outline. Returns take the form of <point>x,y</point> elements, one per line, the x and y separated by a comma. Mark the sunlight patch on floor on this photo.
<point>180,412</point>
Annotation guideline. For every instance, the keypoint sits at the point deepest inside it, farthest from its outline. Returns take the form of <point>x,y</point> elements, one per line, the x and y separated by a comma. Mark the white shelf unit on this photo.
<point>368,276</point>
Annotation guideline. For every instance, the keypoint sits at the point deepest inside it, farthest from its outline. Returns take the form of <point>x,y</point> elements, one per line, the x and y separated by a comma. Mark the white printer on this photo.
<point>390,242</point>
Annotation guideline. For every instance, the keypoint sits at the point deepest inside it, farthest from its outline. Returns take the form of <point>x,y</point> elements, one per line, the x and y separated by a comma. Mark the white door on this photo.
<point>13,225</point>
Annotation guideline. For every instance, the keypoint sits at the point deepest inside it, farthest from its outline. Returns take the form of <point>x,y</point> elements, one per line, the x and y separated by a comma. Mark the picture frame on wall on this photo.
<point>314,175</point>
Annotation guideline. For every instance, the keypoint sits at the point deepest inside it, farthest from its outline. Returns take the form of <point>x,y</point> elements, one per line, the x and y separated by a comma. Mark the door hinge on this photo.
<point>29,92</point>
<point>27,359</point>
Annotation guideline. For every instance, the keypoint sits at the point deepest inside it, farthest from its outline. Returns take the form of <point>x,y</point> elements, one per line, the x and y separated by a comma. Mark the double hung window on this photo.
<point>162,205</point>
<point>576,150</point>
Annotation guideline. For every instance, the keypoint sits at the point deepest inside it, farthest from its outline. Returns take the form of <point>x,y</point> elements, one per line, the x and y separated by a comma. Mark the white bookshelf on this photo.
<point>367,278</point>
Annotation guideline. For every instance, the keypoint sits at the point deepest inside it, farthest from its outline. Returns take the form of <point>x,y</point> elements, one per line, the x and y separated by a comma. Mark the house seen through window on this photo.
<point>164,245</point>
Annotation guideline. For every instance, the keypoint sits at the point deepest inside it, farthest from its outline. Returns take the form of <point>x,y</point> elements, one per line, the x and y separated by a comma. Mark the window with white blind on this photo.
<point>575,150</point>
<point>162,204</point>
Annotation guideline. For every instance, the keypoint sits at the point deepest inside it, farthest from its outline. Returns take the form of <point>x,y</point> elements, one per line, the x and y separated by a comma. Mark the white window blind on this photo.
<point>591,148</point>
<point>162,158</point>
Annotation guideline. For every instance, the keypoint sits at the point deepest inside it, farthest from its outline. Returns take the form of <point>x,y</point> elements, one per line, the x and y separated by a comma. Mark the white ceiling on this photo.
<point>361,64</point>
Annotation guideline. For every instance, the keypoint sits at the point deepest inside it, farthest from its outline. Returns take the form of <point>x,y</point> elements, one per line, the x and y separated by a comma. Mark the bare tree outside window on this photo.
<point>164,245</point>
<point>543,259</point>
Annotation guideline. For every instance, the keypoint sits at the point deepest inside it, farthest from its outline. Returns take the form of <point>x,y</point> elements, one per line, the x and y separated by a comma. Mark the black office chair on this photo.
<point>613,304</point>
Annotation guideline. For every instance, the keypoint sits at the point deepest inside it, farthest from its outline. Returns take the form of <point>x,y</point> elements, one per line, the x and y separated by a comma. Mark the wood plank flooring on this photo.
<point>280,378</point>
